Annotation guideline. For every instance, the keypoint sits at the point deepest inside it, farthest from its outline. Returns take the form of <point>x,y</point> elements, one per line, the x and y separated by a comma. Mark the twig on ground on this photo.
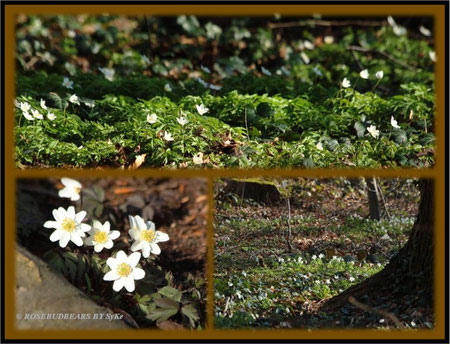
<point>318,22</point>
<point>381,312</point>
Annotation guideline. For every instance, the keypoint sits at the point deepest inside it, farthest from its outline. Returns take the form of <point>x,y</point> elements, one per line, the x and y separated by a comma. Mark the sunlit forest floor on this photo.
<point>260,283</point>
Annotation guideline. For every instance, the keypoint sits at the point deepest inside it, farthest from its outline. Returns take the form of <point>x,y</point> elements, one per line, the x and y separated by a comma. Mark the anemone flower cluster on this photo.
<point>69,227</point>
<point>35,113</point>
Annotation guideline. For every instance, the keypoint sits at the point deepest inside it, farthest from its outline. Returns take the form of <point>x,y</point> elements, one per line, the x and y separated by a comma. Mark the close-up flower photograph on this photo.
<point>129,246</point>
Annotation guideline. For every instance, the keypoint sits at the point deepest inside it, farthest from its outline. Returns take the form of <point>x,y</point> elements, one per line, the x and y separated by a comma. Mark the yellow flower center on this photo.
<point>68,225</point>
<point>100,237</point>
<point>123,270</point>
<point>148,235</point>
<point>77,189</point>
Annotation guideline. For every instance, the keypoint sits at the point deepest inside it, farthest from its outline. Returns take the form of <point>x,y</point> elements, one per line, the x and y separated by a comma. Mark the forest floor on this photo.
<point>178,207</point>
<point>260,283</point>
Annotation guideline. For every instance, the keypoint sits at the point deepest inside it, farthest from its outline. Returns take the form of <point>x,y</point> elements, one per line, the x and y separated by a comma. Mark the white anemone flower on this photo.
<point>391,21</point>
<point>424,31</point>
<point>71,189</point>
<point>182,121</point>
<point>394,123</point>
<point>432,55</point>
<point>27,115</point>
<point>37,114</point>
<point>108,73</point>
<point>51,116</point>
<point>202,82</point>
<point>67,83</point>
<point>25,107</point>
<point>308,45</point>
<point>346,83</point>
<point>100,236</point>
<point>152,118</point>
<point>399,30</point>
<point>198,158</point>
<point>305,57</point>
<point>167,88</point>
<point>43,104</point>
<point>74,99</point>
<point>364,74</point>
<point>124,271</point>
<point>168,136</point>
<point>145,236</point>
<point>373,131</point>
<point>328,39</point>
<point>215,87</point>
<point>205,69</point>
<point>265,71</point>
<point>319,146</point>
<point>201,109</point>
<point>68,226</point>
<point>379,75</point>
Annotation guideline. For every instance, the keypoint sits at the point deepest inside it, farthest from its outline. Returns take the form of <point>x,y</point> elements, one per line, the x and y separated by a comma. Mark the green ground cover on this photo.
<point>274,97</point>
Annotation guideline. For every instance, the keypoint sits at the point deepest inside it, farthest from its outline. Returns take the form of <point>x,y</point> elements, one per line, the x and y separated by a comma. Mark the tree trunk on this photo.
<point>408,272</point>
<point>374,199</point>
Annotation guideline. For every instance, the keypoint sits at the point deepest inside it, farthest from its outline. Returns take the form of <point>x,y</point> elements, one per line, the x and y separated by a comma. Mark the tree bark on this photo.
<point>374,199</point>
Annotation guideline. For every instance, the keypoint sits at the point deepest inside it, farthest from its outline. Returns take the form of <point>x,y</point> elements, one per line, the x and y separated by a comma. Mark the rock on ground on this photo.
<point>44,300</point>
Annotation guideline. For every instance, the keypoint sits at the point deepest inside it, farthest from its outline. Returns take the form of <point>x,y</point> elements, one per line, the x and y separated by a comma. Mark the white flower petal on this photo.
<point>58,214</point>
<point>137,245</point>
<point>155,248</point>
<point>109,244</point>
<point>98,248</point>
<point>161,236</point>
<point>138,273</point>
<point>65,238</point>
<point>111,276</point>
<point>80,216</point>
<point>113,235</point>
<point>56,235</point>
<point>76,239</point>
<point>71,213</point>
<point>129,283</point>
<point>112,263</point>
<point>121,256</point>
<point>140,223</point>
<point>133,259</point>
<point>146,250</point>
<point>106,227</point>
<point>150,225</point>
<point>118,284</point>
<point>89,241</point>
<point>51,224</point>
<point>84,227</point>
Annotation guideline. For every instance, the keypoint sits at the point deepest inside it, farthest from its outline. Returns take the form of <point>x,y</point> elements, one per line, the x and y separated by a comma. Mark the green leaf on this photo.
<point>167,308</point>
<point>170,293</point>
<point>400,137</point>
<point>360,129</point>
<point>191,313</point>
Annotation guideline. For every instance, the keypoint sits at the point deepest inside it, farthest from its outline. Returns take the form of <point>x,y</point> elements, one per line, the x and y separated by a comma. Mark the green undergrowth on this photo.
<point>237,131</point>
